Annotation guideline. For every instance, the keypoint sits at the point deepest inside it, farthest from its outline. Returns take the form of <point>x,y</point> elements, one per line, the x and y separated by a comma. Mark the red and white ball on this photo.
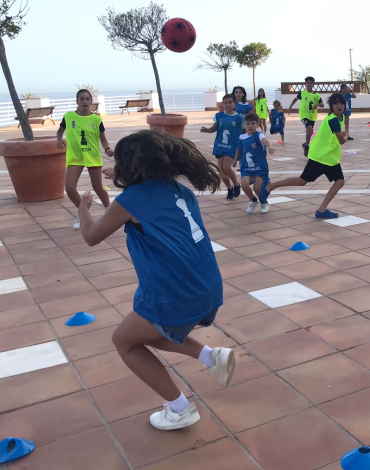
<point>178,35</point>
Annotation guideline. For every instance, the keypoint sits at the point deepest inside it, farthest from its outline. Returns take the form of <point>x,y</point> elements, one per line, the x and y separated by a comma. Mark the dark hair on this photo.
<point>228,95</point>
<point>276,101</point>
<point>334,98</point>
<point>343,85</point>
<point>252,117</point>
<point>258,94</point>
<point>83,90</point>
<point>149,155</point>
<point>244,99</point>
<point>309,78</point>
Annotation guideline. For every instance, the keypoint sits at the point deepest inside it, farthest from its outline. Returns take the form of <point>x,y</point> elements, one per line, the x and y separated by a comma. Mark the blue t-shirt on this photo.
<point>277,119</point>
<point>253,159</point>
<point>179,279</point>
<point>229,129</point>
<point>243,108</point>
<point>348,97</point>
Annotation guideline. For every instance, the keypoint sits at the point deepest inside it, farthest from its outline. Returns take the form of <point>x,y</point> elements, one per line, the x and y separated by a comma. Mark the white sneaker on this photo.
<point>251,206</point>
<point>167,420</point>
<point>265,208</point>
<point>223,364</point>
<point>77,223</point>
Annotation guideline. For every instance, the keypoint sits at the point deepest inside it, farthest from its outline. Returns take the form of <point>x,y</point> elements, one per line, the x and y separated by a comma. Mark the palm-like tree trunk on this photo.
<point>225,77</point>
<point>254,81</point>
<point>158,83</point>
<point>25,125</point>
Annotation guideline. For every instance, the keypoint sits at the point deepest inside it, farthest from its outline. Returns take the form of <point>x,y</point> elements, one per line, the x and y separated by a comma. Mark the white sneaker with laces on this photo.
<point>77,223</point>
<point>265,208</point>
<point>223,364</point>
<point>167,420</point>
<point>251,206</point>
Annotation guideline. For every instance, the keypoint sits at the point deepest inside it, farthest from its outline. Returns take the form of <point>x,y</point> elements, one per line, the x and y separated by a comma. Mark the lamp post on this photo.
<point>350,60</point>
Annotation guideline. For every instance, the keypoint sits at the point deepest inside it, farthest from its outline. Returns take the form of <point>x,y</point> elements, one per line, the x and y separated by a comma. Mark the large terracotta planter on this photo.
<point>173,124</point>
<point>36,168</point>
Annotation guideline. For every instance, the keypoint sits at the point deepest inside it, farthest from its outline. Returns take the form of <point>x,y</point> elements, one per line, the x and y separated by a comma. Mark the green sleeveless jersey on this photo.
<point>261,108</point>
<point>82,136</point>
<point>308,100</point>
<point>325,147</point>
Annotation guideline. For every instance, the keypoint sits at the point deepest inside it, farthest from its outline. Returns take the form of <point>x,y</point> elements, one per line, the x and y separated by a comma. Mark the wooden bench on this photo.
<point>33,113</point>
<point>142,104</point>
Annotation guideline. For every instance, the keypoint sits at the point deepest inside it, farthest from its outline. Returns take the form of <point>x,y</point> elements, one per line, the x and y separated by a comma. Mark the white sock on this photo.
<point>179,405</point>
<point>205,356</point>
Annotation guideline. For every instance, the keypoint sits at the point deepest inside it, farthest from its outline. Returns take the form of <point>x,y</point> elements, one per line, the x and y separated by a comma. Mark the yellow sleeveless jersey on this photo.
<point>308,100</point>
<point>261,108</point>
<point>325,147</point>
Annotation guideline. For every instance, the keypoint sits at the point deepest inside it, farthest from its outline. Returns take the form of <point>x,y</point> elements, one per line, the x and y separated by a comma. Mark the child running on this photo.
<point>228,125</point>
<point>180,285</point>
<point>348,94</point>
<point>323,158</point>
<point>277,120</point>
<point>253,167</point>
<point>310,101</point>
<point>241,104</point>
<point>83,131</point>
<point>262,109</point>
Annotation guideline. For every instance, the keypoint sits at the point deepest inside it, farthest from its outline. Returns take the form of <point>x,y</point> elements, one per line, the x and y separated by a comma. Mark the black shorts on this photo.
<point>314,170</point>
<point>306,122</point>
<point>220,156</point>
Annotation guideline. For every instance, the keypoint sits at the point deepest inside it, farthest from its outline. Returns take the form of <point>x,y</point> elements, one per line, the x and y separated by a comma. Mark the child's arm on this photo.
<point>108,172</point>
<point>95,232</point>
<point>342,136</point>
<point>270,117</point>
<point>284,119</point>
<point>293,103</point>
<point>209,130</point>
<point>60,143</point>
<point>237,156</point>
<point>105,145</point>
<point>268,144</point>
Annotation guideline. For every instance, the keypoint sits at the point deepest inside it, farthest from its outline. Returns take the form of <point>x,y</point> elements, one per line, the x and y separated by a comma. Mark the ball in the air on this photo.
<point>178,35</point>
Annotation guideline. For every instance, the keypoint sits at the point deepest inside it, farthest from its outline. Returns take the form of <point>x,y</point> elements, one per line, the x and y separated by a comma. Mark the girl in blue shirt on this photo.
<point>348,95</point>
<point>241,104</point>
<point>180,285</point>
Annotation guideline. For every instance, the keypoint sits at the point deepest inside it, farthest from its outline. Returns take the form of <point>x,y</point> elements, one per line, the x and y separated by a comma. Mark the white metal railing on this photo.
<point>8,114</point>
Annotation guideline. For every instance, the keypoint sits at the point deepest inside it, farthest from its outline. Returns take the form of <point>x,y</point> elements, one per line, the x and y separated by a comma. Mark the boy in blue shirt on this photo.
<point>348,94</point>
<point>277,120</point>
<point>253,164</point>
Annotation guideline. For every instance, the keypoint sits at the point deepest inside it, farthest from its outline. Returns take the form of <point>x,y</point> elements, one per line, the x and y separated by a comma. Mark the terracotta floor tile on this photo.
<point>262,226</point>
<point>5,259</point>
<point>72,305</point>
<point>16,300</point>
<point>333,466</point>
<point>124,308</point>
<point>253,403</point>
<point>83,247</point>
<point>279,233</point>
<point>230,214</point>
<point>289,349</point>
<point>281,259</point>
<point>304,270</point>
<point>355,243</point>
<point>221,455</point>
<point>40,255</point>
<point>89,344</point>
<point>258,280</point>
<point>120,278</point>
<point>315,311</point>
<point>332,283</point>
<point>230,291</point>
<point>20,316</point>
<point>228,256</point>
<point>260,249</point>
<point>31,246</point>
<point>120,294</point>
<point>347,260</point>
<point>241,240</point>
<point>344,333</point>
<point>76,239</point>
<point>53,265</point>
<point>360,354</point>
<point>257,326</point>
<point>352,412</point>
<point>362,272</point>
<point>9,272</point>
<point>129,397</point>
<point>8,232</point>
<point>106,316</point>
<point>26,335</point>
<point>357,299</point>
<point>237,306</point>
<point>50,277</point>
<point>25,238</point>
<point>301,237</point>
<point>96,257</point>
<point>305,441</point>
<point>105,267</point>
<point>40,385</point>
<point>327,378</point>
<point>92,450</point>
<point>145,445</point>
<point>60,290</point>
<point>52,420</point>
<point>324,249</point>
<point>201,381</point>
<point>238,268</point>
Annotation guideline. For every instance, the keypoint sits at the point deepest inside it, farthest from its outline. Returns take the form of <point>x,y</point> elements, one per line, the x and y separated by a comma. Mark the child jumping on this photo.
<point>277,120</point>
<point>253,167</point>
<point>262,109</point>
<point>323,158</point>
<point>228,125</point>
<point>180,285</point>
<point>241,104</point>
<point>83,131</point>
<point>348,94</point>
<point>310,101</point>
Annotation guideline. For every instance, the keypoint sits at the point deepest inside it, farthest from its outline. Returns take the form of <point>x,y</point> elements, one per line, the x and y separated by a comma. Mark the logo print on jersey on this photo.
<point>92,125</point>
<point>234,123</point>
<point>196,231</point>
<point>250,161</point>
<point>73,124</point>
<point>254,146</point>
<point>83,139</point>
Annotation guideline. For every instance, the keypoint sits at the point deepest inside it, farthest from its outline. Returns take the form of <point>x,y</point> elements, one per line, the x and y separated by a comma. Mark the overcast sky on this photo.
<point>63,44</point>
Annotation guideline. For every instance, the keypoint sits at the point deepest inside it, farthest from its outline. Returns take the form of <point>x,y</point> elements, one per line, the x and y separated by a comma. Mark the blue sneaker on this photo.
<point>264,194</point>
<point>230,193</point>
<point>326,214</point>
<point>237,190</point>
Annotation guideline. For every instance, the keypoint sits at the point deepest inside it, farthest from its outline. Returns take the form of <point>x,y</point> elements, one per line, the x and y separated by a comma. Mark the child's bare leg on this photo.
<point>309,132</point>
<point>298,181</point>
<point>245,181</point>
<point>73,174</point>
<point>264,125</point>
<point>346,123</point>
<point>191,346</point>
<point>97,184</point>
<point>338,184</point>
<point>257,184</point>
<point>229,171</point>
<point>225,178</point>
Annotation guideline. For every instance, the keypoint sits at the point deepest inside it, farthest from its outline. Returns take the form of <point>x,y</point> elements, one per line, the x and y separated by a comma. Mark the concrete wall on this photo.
<point>211,98</point>
<point>154,100</point>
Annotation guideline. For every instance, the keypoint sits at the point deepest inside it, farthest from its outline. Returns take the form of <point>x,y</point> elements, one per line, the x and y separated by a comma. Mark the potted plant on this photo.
<point>139,31</point>
<point>36,166</point>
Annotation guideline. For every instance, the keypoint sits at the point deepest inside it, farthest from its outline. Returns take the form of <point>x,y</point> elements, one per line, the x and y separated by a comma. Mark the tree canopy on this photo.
<point>252,55</point>
<point>11,25</point>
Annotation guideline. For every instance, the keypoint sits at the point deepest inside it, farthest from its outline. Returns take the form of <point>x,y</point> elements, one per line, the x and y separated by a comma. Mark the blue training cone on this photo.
<point>358,459</point>
<point>80,318</point>
<point>12,448</point>
<point>299,246</point>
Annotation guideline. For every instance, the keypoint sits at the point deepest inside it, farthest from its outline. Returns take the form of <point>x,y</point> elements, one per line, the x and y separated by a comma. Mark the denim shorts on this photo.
<point>178,334</point>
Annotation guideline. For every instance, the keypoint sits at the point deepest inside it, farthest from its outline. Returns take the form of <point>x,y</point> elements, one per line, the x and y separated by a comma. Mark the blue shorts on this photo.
<point>246,172</point>
<point>277,130</point>
<point>347,112</point>
<point>178,334</point>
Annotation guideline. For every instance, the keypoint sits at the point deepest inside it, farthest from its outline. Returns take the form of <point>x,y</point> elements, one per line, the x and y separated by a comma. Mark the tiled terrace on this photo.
<point>299,323</point>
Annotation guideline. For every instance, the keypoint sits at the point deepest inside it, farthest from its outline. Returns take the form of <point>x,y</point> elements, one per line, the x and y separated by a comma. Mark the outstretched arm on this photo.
<point>293,103</point>
<point>268,145</point>
<point>209,130</point>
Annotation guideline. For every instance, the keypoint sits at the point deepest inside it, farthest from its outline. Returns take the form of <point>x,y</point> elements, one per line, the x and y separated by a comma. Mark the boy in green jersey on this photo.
<point>323,159</point>
<point>310,101</point>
